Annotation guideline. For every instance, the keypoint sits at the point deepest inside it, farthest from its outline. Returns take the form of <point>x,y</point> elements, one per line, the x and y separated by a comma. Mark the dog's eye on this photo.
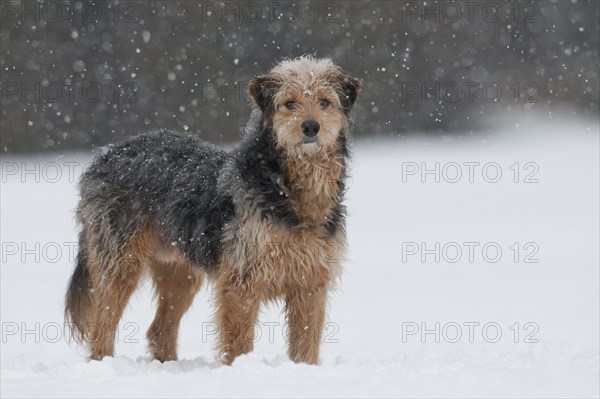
<point>290,105</point>
<point>325,103</point>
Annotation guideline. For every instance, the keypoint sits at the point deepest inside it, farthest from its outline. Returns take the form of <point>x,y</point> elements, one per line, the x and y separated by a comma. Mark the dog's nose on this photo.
<point>310,128</point>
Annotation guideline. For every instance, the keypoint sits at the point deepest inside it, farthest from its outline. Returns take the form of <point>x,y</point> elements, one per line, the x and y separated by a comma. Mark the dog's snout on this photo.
<point>310,128</point>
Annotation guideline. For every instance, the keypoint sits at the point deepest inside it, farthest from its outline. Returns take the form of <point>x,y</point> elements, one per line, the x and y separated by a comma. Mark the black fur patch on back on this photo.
<point>164,179</point>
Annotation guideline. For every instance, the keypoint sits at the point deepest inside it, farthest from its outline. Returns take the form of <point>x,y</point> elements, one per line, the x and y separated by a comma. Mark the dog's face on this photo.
<point>306,102</point>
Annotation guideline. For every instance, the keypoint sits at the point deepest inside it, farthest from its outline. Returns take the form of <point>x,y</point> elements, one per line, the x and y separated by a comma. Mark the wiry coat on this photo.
<point>264,221</point>
<point>188,189</point>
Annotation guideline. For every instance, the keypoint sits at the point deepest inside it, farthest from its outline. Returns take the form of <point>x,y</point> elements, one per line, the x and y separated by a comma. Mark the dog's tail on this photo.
<point>78,302</point>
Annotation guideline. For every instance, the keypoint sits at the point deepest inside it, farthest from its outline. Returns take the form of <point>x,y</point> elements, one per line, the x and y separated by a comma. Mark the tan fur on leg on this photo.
<point>305,311</point>
<point>113,291</point>
<point>175,286</point>
<point>237,310</point>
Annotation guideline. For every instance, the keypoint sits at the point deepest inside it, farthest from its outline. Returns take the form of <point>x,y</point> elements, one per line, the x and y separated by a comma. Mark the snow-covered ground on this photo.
<point>526,328</point>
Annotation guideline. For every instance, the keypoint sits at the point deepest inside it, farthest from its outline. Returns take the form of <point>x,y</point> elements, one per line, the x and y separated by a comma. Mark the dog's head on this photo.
<point>306,102</point>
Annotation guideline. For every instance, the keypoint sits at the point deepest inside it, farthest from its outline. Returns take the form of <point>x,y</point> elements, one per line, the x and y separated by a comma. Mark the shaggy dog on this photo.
<point>263,222</point>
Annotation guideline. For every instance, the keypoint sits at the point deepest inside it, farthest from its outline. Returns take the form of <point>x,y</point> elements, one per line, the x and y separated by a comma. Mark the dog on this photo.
<point>262,222</point>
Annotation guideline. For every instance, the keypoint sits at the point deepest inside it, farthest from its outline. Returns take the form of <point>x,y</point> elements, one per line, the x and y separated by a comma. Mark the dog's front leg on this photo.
<point>238,303</point>
<point>305,310</point>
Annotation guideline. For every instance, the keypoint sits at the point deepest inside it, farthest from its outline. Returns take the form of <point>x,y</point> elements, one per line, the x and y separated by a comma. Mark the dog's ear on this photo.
<point>261,90</point>
<point>348,89</point>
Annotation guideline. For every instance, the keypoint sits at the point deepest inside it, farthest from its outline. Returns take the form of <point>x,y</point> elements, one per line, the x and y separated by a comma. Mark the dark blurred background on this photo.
<point>78,74</point>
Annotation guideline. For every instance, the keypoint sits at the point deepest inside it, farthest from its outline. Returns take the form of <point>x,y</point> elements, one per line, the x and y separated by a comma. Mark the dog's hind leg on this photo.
<point>113,285</point>
<point>175,284</point>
